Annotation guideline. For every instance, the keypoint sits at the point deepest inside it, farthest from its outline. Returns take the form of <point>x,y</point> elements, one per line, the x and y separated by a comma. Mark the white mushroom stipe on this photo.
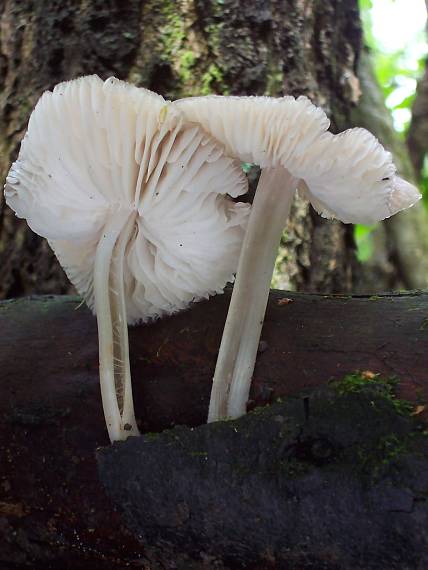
<point>247,308</point>
<point>347,176</point>
<point>131,193</point>
<point>134,200</point>
<point>112,332</point>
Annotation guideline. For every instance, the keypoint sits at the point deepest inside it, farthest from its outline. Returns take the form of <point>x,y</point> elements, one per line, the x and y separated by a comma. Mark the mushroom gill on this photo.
<point>135,202</point>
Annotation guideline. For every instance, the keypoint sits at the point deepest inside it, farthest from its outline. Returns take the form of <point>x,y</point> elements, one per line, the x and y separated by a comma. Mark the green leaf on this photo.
<point>406,103</point>
<point>363,236</point>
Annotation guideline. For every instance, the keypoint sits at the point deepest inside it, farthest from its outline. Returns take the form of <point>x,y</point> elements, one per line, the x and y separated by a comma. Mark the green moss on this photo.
<point>164,39</point>
<point>172,32</point>
<point>356,426</point>
<point>212,81</point>
<point>212,78</point>
<point>178,57</point>
<point>25,106</point>
<point>352,383</point>
<point>214,28</point>
<point>362,424</point>
<point>186,65</point>
<point>375,460</point>
<point>387,386</point>
<point>199,453</point>
<point>275,79</point>
<point>152,436</point>
<point>388,431</point>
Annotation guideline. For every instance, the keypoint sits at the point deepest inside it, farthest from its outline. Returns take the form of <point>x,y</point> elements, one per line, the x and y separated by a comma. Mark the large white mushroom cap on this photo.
<point>348,176</point>
<point>94,148</point>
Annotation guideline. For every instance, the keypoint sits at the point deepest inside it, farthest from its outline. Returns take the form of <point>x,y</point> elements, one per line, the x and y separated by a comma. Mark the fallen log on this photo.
<point>337,479</point>
<point>53,509</point>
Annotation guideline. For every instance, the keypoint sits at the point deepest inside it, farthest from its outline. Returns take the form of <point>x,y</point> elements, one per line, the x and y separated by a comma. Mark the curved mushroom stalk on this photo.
<point>110,307</point>
<point>136,203</point>
<point>348,176</point>
<point>238,349</point>
<point>101,160</point>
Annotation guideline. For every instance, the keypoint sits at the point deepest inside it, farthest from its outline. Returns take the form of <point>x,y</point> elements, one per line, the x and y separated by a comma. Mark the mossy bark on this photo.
<point>178,49</point>
<point>49,350</point>
<point>335,480</point>
<point>352,452</point>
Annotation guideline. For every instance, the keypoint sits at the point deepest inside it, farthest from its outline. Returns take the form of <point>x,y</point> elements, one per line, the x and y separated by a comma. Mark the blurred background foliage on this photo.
<point>395,35</point>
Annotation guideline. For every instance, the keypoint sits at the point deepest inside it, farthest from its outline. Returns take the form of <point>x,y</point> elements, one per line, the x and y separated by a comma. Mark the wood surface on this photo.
<point>53,508</point>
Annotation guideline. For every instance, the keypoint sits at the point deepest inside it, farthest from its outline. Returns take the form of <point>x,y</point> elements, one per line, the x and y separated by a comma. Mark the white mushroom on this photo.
<point>347,176</point>
<point>134,201</point>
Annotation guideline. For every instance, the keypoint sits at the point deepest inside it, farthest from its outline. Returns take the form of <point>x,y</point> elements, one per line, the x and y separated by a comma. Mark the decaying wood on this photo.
<point>53,509</point>
<point>418,128</point>
<point>334,480</point>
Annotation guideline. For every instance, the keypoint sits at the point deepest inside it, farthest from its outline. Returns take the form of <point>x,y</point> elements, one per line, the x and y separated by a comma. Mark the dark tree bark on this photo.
<point>179,49</point>
<point>335,480</point>
<point>49,344</point>
<point>53,510</point>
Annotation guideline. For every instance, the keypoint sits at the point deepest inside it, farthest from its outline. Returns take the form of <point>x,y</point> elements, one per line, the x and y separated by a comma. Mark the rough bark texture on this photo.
<point>53,510</point>
<point>336,480</point>
<point>179,49</point>
<point>306,340</point>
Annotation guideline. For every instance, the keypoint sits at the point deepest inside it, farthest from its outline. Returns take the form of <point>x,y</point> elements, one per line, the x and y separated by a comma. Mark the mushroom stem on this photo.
<point>115,375</point>
<point>238,349</point>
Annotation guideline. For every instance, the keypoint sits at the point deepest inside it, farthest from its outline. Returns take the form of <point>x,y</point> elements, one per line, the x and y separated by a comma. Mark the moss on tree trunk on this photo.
<point>178,49</point>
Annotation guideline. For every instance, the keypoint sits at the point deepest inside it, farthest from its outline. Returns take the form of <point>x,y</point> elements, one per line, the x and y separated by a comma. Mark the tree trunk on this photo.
<point>418,130</point>
<point>356,445</point>
<point>178,49</point>
<point>400,259</point>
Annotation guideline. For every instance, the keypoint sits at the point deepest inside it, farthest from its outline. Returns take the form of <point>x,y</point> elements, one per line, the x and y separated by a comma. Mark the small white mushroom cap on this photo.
<point>93,148</point>
<point>348,176</point>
